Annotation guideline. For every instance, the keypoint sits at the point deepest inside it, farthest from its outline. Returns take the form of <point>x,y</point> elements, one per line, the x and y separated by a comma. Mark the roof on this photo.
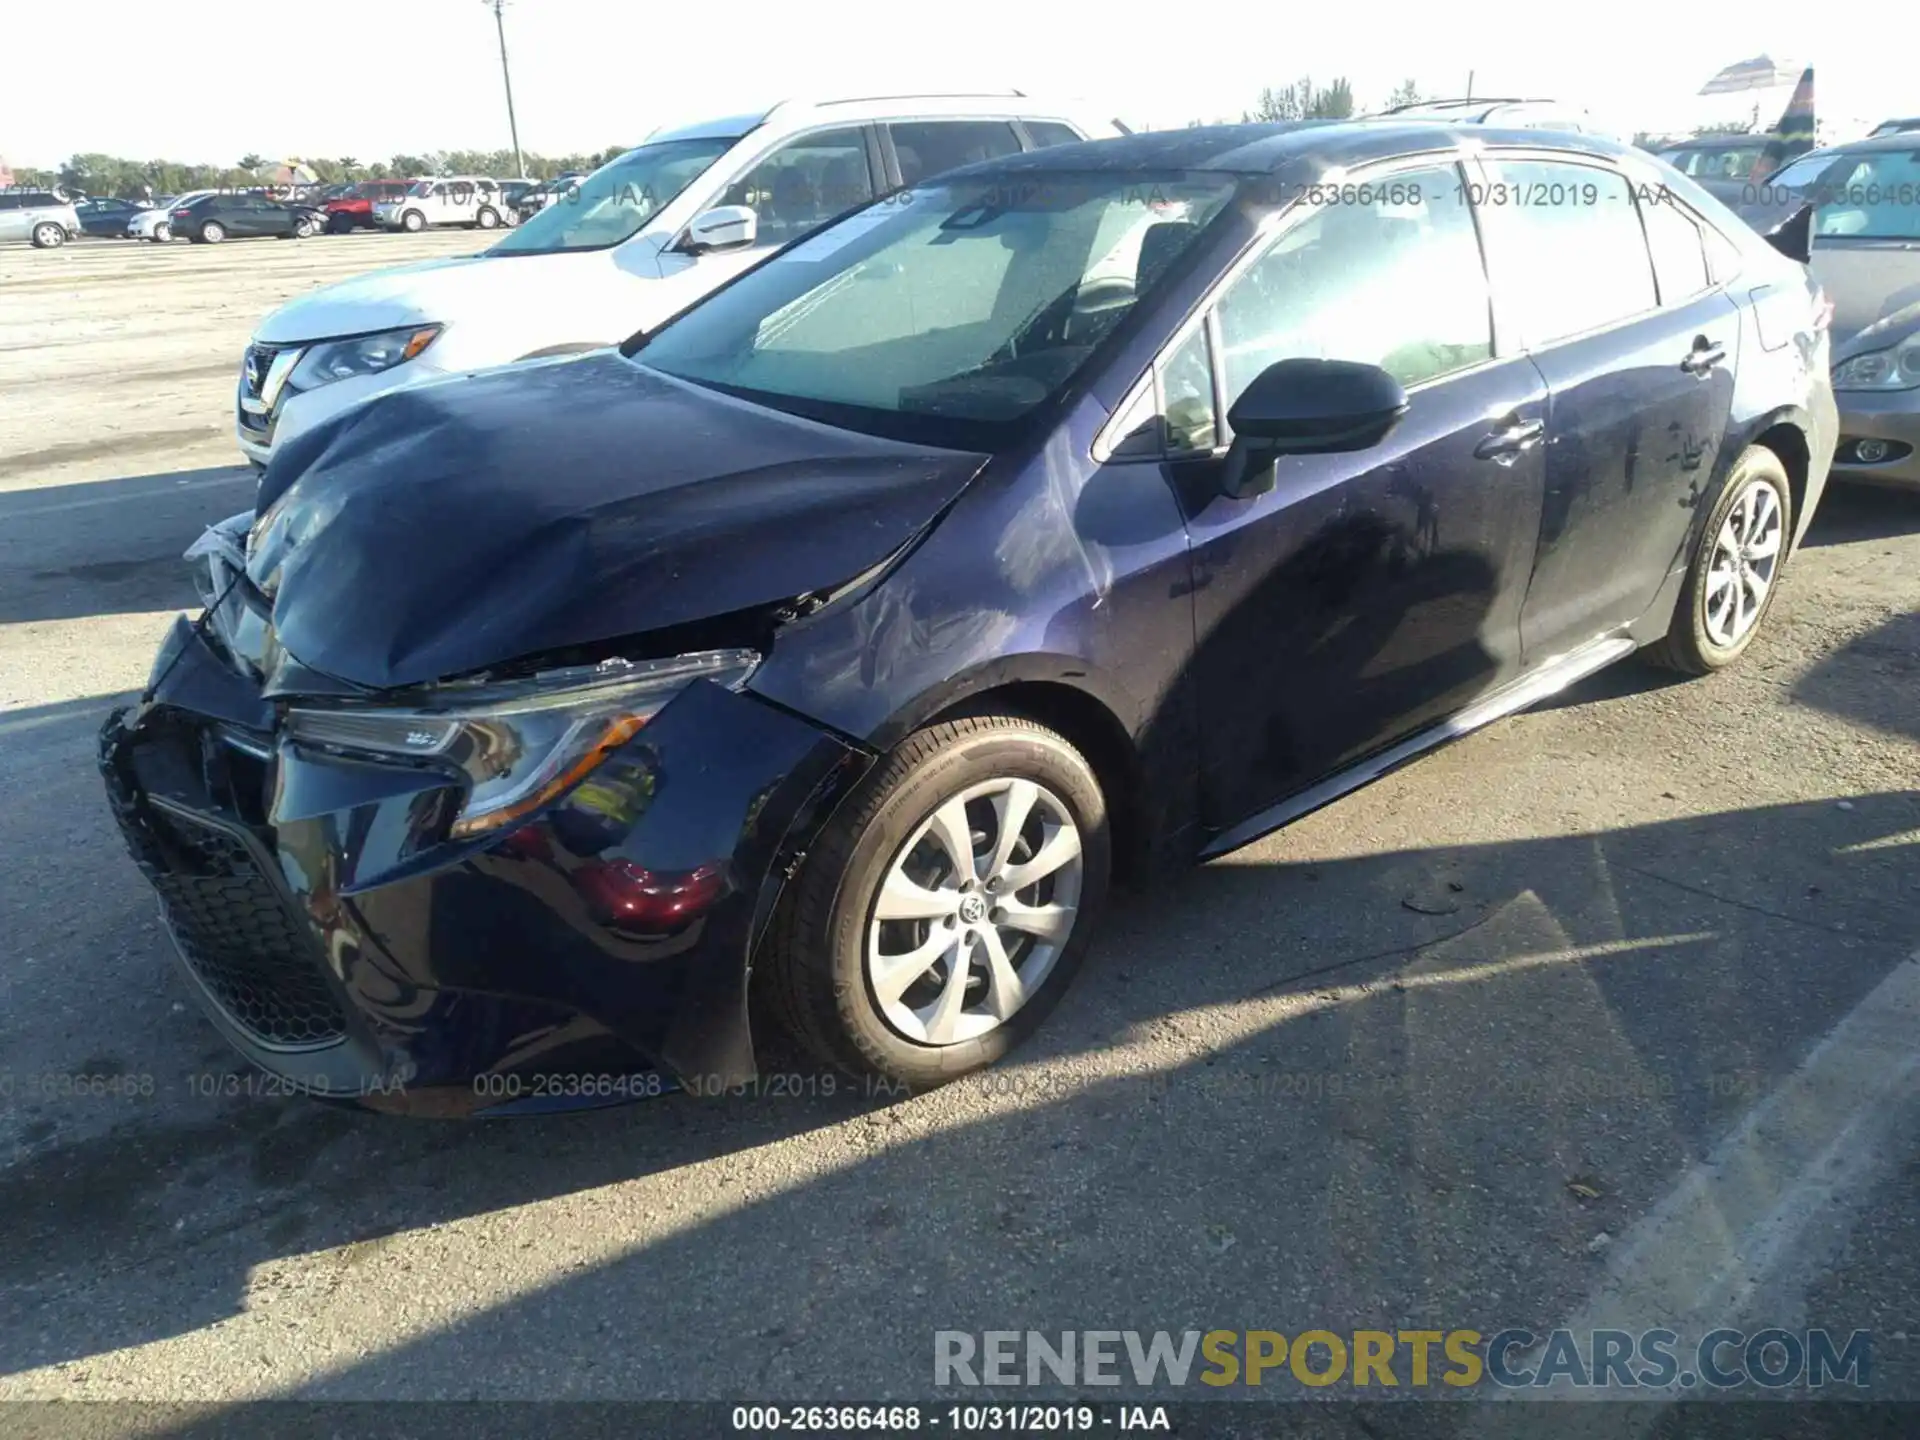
<point>1265,149</point>
<point>959,103</point>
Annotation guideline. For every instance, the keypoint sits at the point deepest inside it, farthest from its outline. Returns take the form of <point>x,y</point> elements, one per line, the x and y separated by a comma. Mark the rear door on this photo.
<point>13,218</point>
<point>1639,379</point>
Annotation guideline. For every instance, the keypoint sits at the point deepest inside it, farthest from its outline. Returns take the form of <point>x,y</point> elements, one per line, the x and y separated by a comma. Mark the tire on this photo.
<point>49,236</point>
<point>487,219</point>
<point>213,232</point>
<point>413,222</point>
<point>303,229</point>
<point>816,971</point>
<point>1706,634</point>
<point>338,224</point>
<point>162,234</point>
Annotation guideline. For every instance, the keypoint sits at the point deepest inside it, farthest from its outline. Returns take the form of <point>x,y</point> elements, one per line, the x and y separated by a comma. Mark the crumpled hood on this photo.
<point>429,292</point>
<point>449,527</point>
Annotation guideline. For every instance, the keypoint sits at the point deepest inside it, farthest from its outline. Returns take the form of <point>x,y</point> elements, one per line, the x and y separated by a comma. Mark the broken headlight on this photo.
<point>520,745</point>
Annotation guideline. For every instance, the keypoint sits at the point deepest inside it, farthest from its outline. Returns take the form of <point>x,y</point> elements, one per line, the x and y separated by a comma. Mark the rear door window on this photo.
<point>932,147</point>
<point>1678,248</point>
<point>1570,250</point>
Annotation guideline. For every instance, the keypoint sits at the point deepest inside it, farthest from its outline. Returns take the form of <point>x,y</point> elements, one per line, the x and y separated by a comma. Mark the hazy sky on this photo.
<point>369,78</point>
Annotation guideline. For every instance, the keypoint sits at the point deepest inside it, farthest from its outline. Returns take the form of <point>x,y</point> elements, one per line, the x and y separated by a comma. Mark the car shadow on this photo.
<point>1851,513</point>
<point>1338,1090</point>
<point>1872,680</point>
<point>109,547</point>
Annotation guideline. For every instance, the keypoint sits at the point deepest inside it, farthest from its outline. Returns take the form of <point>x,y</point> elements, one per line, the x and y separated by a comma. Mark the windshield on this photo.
<point>1859,194</point>
<point>420,187</point>
<point>612,204</point>
<point>970,304</point>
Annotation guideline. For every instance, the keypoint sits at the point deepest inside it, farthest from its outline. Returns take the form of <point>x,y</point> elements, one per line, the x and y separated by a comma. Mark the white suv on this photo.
<point>639,240</point>
<point>472,200</point>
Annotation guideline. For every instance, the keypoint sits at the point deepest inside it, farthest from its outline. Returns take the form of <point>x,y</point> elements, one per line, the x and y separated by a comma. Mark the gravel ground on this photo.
<point>1440,1056</point>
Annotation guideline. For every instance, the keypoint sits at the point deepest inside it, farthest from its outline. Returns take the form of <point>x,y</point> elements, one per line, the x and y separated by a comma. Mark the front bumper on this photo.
<point>1891,416</point>
<point>341,943</point>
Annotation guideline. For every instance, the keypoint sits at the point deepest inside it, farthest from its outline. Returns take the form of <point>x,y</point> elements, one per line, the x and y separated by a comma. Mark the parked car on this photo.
<point>1865,235</point>
<point>1896,127</point>
<point>103,216</point>
<point>157,223</point>
<point>647,235</point>
<point>244,215</point>
<point>1717,158</point>
<point>46,218</point>
<point>533,201</point>
<point>843,635</point>
<point>352,209</point>
<point>471,200</point>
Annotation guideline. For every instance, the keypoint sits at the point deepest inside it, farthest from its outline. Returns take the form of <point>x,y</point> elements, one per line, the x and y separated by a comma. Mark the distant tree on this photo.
<point>1405,93</point>
<point>251,161</point>
<point>1302,101</point>
<point>349,167</point>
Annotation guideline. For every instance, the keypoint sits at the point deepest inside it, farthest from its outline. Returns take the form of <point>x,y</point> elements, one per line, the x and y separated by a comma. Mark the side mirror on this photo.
<point>725,227</point>
<point>1307,407</point>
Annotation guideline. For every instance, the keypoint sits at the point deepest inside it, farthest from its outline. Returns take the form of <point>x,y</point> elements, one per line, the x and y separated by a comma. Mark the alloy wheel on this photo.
<point>975,909</point>
<point>1746,557</point>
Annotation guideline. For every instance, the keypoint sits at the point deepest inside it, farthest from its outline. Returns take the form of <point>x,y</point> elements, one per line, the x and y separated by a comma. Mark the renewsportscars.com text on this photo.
<point>1772,1358</point>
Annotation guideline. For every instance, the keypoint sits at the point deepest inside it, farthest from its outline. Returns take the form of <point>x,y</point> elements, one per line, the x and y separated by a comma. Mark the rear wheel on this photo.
<point>413,222</point>
<point>945,909</point>
<point>213,232</point>
<point>487,219</point>
<point>49,236</point>
<point>1735,570</point>
<point>339,224</point>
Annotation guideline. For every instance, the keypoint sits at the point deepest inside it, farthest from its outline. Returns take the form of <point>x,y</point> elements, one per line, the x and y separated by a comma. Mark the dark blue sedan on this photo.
<point>1067,518</point>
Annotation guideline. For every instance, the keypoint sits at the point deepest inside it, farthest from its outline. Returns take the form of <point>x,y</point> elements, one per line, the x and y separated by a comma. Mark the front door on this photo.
<point>792,191</point>
<point>1368,594</point>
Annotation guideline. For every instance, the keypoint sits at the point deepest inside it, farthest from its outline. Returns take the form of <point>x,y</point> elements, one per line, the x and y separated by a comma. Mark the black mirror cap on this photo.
<point>1314,407</point>
<point>1793,237</point>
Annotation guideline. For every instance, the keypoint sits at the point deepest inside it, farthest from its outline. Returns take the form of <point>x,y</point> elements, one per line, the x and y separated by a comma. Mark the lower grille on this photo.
<point>238,934</point>
<point>240,941</point>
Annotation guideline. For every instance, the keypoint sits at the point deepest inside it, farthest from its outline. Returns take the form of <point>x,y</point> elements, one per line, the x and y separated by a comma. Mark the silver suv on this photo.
<point>45,217</point>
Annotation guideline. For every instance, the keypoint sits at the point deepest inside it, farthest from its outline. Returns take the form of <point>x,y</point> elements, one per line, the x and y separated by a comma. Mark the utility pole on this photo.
<point>1469,81</point>
<point>500,24</point>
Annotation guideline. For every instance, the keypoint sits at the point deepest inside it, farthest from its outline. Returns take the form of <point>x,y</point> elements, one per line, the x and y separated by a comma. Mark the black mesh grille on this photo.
<point>236,934</point>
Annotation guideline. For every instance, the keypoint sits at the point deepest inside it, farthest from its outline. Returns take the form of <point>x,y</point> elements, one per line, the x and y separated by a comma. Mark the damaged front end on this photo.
<point>474,897</point>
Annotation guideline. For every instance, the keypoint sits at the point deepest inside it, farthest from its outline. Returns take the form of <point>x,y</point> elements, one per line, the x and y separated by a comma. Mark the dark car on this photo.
<point>352,209</point>
<point>106,217</point>
<point>1075,515</point>
<point>244,215</point>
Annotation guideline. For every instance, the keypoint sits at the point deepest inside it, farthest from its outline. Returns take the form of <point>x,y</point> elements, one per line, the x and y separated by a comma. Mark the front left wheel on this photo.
<point>944,910</point>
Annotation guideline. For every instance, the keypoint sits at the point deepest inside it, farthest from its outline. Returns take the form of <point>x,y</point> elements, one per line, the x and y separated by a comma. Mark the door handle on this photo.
<point>1505,444</point>
<point>1704,356</point>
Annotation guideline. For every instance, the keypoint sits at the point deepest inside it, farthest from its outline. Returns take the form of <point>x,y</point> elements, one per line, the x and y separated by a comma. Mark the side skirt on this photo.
<point>1530,689</point>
